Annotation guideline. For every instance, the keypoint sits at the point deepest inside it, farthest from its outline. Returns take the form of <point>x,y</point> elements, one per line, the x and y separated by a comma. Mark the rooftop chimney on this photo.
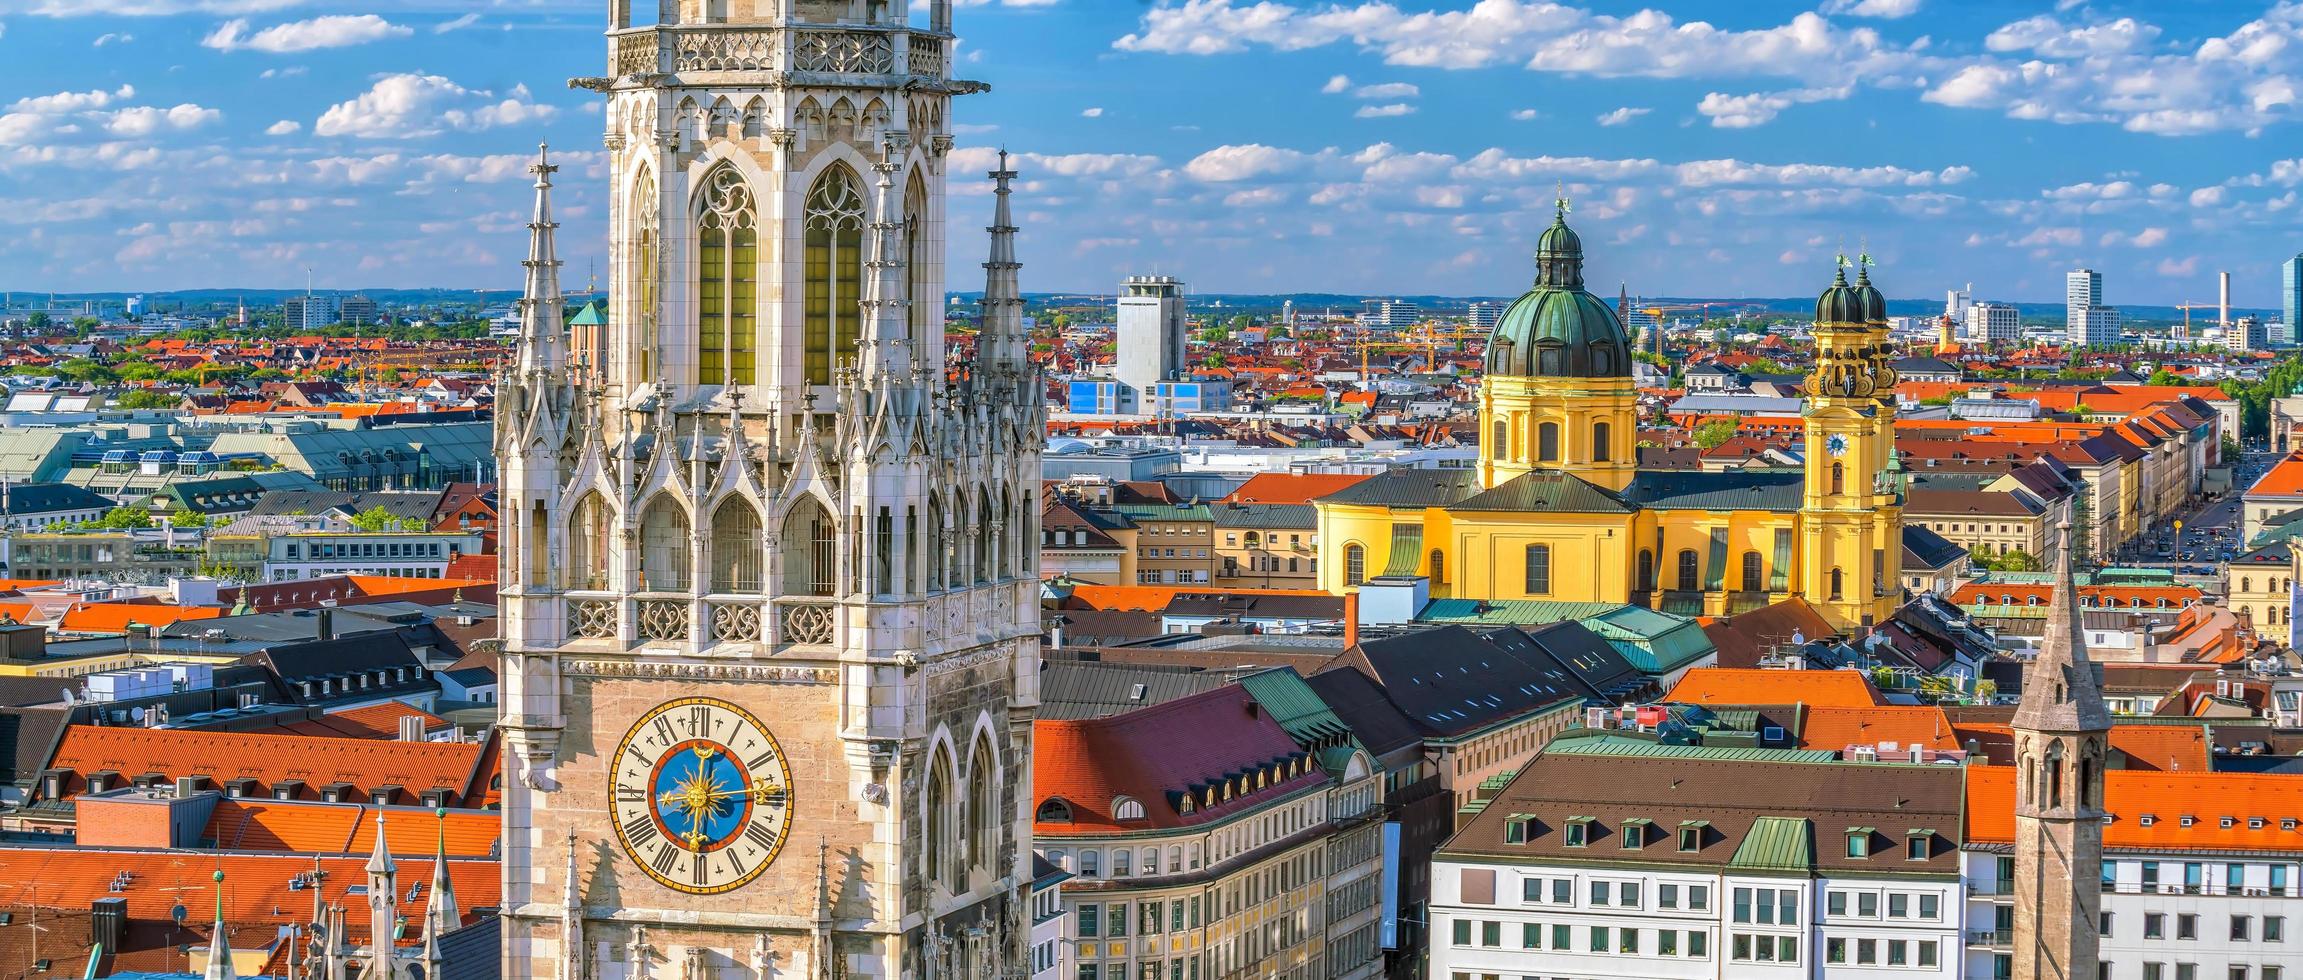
<point>411,728</point>
<point>327,623</point>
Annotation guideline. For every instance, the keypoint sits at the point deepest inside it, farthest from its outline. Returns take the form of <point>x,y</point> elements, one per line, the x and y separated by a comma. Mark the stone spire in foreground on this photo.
<point>220,942</point>
<point>543,337</point>
<point>2061,732</point>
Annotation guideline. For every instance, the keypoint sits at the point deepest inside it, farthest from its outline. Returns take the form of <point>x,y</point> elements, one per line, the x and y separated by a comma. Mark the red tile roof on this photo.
<point>349,828</point>
<point>1290,488</point>
<point>1157,755</point>
<point>1833,729</point>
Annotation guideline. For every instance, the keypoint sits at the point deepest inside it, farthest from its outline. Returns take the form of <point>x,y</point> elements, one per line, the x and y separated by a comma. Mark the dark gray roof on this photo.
<point>1409,488</point>
<point>1316,605</point>
<point>1374,720</point>
<point>405,504</point>
<point>1923,548</point>
<point>1073,690</point>
<point>1922,365</point>
<point>1452,680</point>
<point>1294,517</point>
<point>474,952</point>
<point>49,498</point>
<point>1731,490</point>
<point>1546,492</point>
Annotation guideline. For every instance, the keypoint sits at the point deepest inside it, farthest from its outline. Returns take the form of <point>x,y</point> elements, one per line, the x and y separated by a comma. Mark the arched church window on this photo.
<point>936,539</point>
<point>736,547</point>
<point>833,258</point>
<point>986,823</point>
<point>942,829</point>
<point>588,544</point>
<point>664,547</point>
<point>1354,564</point>
<point>727,281</point>
<point>1838,478</point>
<point>1644,578</point>
<point>986,543</point>
<point>1838,583</point>
<point>1438,566</point>
<point>1753,577</point>
<point>1547,442</point>
<point>1688,570</point>
<point>1602,442</point>
<point>810,550</point>
<point>2054,775</point>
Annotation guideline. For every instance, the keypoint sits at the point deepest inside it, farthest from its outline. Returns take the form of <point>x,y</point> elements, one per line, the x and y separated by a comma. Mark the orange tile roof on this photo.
<point>2162,748</point>
<point>1832,729</point>
<point>1723,685</point>
<point>2167,797</point>
<point>2283,479</point>
<point>1290,488</point>
<point>255,888</point>
<point>1154,598</point>
<point>2105,596</point>
<point>349,828</point>
<point>26,584</point>
<point>114,617</point>
<point>269,758</point>
<point>384,719</point>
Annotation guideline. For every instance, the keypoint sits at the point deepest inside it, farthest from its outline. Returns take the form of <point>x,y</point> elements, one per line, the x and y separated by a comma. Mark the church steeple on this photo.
<point>1000,337</point>
<point>441,913</point>
<point>543,337</point>
<point>2061,730</point>
<point>220,942</point>
<point>887,311</point>
<point>383,905</point>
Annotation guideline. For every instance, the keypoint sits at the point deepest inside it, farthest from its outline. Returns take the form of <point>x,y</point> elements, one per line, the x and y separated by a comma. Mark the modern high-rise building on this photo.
<point>1482,316</point>
<point>312,311</point>
<point>1956,302</point>
<point>770,579</point>
<point>1994,323</point>
<point>2291,296</point>
<point>2087,322</point>
<point>1390,314</point>
<point>357,310</point>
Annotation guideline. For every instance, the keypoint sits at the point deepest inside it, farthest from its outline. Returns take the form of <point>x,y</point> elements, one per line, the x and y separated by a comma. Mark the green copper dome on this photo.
<point>1558,330</point>
<point>1842,303</point>
<point>1874,304</point>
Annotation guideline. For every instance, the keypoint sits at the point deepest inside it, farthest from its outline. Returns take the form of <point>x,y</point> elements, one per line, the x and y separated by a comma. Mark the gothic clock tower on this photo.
<point>769,576</point>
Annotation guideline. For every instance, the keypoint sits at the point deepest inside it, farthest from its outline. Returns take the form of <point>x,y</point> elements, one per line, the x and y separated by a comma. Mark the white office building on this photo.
<point>1483,316</point>
<point>1391,314</point>
<point>1994,323</point>
<point>2087,322</point>
<point>1151,340</point>
<point>1956,302</point>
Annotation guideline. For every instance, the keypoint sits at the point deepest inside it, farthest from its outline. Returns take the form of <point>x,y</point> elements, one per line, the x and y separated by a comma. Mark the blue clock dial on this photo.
<point>702,795</point>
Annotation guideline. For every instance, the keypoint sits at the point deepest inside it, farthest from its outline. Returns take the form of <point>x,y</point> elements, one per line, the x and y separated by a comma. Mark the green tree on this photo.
<point>1712,434</point>
<point>2016,560</point>
<point>2165,377</point>
<point>84,369</point>
<point>192,519</point>
<point>143,398</point>
<point>121,519</point>
<point>1214,359</point>
<point>1277,333</point>
<point>39,322</point>
<point>81,325</point>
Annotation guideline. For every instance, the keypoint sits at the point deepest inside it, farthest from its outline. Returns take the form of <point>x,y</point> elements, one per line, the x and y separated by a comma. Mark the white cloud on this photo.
<point>2147,238</point>
<point>2090,191</point>
<point>1092,112</point>
<point>1336,85</point>
<point>407,106</point>
<point>103,40</point>
<point>283,128</point>
<point>291,71</point>
<point>2173,269</point>
<point>141,8</point>
<point>969,159</point>
<point>456,25</point>
<point>2047,36</point>
<point>1760,108</point>
<point>1622,116</point>
<point>2206,197</point>
<point>1387,90</point>
<point>147,120</point>
<point>63,102</point>
<point>1523,115</point>
<point>1882,9</point>
<point>1384,111</point>
<point>332,31</point>
<point>1241,162</point>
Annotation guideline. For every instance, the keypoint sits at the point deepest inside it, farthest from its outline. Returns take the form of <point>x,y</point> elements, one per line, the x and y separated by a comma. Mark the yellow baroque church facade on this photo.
<point>1558,508</point>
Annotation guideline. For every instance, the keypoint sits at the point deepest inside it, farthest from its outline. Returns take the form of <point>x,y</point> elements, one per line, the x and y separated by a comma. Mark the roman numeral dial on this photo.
<point>702,795</point>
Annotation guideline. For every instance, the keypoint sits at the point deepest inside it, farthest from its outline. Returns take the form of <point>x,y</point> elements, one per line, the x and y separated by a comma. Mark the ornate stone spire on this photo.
<point>1000,340</point>
<point>543,337</point>
<point>220,942</point>
<point>2060,694</point>
<point>441,913</point>
<point>572,939</point>
<point>886,308</point>
<point>383,905</point>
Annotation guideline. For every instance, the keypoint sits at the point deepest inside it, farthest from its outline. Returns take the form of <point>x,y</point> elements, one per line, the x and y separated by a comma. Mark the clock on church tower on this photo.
<point>770,587</point>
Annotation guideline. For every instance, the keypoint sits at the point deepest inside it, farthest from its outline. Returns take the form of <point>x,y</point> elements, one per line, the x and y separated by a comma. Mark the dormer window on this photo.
<point>1127,808</point>
<point>1518,828</point>
<point>2147,820</point>
<point>1054,810</point>
<point>2255,823</point>
<point>1691,835</point>
<point>1635,833</point>
<point>1578,831</point>
<point>2227,823</point>
<point>1859,841</point>
<point>1918,845</point>
<point>2186,820</point>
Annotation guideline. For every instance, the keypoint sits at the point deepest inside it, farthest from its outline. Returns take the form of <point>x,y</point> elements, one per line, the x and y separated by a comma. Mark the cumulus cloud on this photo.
<point>140,121</point>
<point>1387,90</point>
<point>1241,162</point>
<point>142,8</point>
<point>1384,111</point>
<point>1092,112</point>
<point>63,102</point>
<point>2207,197</point>
<point>409,106</point>
<point>1882,9</point>
<point>318,33</point>
<point>1760,108</point>
<point>283,127</point>
<point>2173,269</point>
<point>1336,85</point>
<point>1622,116</point>
<point>1523,115</point>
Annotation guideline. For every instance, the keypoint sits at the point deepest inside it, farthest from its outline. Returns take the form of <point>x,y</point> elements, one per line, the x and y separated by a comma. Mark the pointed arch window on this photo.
<point>664,548</point>
<point>588,544</point>
<point>986,545</point>
<point>737,561</point>
<point>833,256</point>
<point>810,551</point>
<point>922,289</point>
<point>942,825</point>
<point>727,284</point>
<point>984,818</point>
<point>647,273</point>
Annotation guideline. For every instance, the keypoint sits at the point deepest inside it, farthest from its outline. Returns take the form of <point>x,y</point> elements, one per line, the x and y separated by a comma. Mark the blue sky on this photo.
<point>1411,146</point>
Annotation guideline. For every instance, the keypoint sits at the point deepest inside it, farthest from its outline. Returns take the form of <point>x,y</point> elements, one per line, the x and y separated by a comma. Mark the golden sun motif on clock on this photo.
<point>702,795</point>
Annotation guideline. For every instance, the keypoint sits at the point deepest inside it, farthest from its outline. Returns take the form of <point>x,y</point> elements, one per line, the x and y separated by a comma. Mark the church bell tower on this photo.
<point>770,556</point>
<point>1851,510</point>
<point>2061,732</point>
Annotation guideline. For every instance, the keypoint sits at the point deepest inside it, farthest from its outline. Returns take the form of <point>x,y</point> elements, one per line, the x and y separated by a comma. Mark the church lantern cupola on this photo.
<point>1557,394</point>
<point>1558,329</point>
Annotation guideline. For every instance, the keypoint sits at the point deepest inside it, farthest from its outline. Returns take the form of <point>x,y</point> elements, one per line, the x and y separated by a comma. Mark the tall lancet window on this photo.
<point>738,554</point>
<point>727,285</point>
<point>588,536</point>
<point>665,565</point>
<point>835,270</point>
<point>921,291</point>
<point>647,272</point>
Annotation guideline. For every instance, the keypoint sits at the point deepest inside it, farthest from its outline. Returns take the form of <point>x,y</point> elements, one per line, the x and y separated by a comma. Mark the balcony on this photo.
<point>844,50</point>
<point>1991,937</point>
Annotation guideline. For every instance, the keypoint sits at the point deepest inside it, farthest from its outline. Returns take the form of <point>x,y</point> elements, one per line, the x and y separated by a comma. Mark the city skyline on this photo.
<point>159,144</point>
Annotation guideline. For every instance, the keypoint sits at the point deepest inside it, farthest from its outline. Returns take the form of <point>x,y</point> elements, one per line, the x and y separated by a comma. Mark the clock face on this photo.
<point>702,795</point>
<point>1836,445</point>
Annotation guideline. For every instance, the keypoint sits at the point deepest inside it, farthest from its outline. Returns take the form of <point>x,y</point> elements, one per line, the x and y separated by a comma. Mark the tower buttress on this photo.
<point>2061,732</point>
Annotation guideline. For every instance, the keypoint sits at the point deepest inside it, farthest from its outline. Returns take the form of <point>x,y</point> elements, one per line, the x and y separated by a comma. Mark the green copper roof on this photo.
<point>1628,747</point>
<point>1294,705</point>
<point>1558,329</point>
<point>590,316</point>
<point>1653,642</point>
<point>1776,845</point>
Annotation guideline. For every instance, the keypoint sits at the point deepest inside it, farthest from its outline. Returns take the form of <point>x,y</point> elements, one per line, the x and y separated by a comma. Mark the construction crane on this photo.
<point>2188,307</point>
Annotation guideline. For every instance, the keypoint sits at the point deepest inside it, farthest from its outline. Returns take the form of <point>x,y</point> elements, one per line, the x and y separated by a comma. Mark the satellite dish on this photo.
<point>178,912</point>
<point>137,714</point>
